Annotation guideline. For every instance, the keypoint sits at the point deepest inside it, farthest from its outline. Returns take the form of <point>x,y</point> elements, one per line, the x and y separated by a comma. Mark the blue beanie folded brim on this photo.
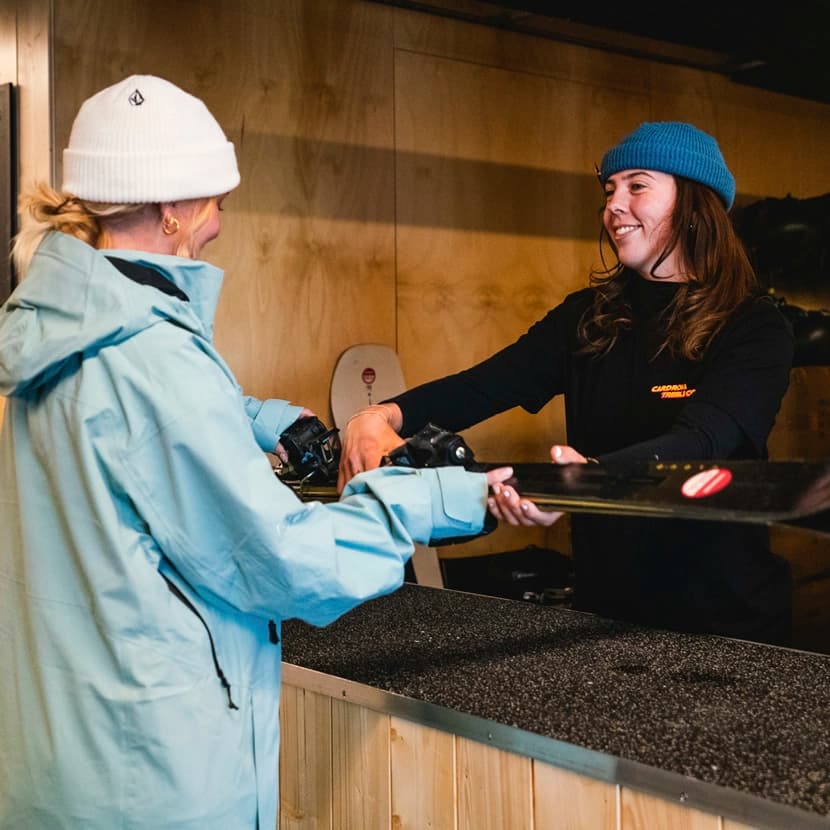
<point>673,147</point>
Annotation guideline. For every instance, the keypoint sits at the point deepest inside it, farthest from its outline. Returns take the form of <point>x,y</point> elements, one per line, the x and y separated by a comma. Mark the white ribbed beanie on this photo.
<point>144,140</point>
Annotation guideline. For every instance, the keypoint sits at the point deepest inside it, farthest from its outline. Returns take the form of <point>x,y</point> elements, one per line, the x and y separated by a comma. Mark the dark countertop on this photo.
<point>748,717</point>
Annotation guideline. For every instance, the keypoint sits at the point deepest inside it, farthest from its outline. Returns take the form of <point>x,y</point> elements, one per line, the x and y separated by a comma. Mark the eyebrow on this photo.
<point>634,173</point>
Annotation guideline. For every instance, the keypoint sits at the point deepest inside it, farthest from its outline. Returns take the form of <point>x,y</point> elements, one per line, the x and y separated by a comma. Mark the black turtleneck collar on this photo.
<point>651,297</point>
<point>145,275</point>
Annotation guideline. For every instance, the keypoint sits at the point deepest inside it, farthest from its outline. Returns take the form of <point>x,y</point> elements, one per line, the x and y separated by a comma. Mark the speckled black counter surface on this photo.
<point>743,716</point>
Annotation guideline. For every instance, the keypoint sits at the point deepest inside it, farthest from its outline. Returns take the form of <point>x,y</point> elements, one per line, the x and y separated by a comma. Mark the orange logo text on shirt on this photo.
<point>673,390</point>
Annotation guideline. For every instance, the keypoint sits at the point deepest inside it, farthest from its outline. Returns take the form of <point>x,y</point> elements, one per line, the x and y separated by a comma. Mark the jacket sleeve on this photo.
<point>215,510</point>
<point>269,419</point>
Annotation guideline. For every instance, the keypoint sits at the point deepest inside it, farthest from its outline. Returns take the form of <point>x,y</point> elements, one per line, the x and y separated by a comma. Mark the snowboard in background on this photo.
<point>364,374</point>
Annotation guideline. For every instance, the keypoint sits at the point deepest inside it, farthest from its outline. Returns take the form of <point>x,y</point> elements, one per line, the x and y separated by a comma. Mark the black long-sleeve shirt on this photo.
<point>631,405</point>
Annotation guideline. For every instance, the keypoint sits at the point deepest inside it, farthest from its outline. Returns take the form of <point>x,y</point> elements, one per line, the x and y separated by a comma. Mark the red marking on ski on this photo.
<point>706,483</point>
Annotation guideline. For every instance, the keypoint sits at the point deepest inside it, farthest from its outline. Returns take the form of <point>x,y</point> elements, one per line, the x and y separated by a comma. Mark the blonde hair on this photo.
<point>187,248</point>
<point>44,209</point>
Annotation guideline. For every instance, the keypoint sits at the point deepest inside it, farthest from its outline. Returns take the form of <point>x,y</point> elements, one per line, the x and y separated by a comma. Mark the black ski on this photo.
<point>761,492</point>
<point>795,493</point>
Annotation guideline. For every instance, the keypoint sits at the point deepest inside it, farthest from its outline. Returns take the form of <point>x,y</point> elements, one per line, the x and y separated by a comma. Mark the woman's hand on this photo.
<point>370,434</point>
<point>563,454</point>
<point>507,505</point>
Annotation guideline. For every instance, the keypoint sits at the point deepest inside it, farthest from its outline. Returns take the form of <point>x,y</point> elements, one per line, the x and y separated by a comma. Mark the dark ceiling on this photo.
<point>783,49</point>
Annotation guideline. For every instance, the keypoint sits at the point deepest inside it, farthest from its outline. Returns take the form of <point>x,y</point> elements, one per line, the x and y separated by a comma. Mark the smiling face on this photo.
<point>637,217</point>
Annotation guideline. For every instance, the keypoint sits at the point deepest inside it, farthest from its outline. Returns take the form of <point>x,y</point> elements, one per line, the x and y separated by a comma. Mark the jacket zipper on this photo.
<point>176,591</point>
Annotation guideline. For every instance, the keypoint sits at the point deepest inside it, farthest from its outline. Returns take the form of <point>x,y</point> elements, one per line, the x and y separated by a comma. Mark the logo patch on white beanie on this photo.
<point>144,140</point>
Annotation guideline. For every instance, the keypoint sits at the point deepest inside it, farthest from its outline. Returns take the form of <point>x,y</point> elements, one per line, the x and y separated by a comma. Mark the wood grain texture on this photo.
<point>640,811</point>
<point>8,41</point>
<point>564,800</point>
<point>305,769</point>
<point>494,787</point>
<point>360,768</point>
<point>423,782</point>
<point>34,66</point>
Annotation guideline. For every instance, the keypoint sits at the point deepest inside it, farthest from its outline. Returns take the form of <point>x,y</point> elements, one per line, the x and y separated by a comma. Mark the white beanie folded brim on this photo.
<point>141,179</point>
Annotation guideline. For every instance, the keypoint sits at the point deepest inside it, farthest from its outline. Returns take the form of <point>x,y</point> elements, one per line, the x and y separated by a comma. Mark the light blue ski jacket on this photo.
<point>148,554</point>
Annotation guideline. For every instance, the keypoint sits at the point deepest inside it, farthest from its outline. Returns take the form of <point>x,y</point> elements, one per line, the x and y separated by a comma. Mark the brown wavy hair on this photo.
<point>719,278</point>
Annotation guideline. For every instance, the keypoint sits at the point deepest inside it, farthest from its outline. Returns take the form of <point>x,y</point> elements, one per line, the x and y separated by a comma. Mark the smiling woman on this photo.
<point>668,354</point>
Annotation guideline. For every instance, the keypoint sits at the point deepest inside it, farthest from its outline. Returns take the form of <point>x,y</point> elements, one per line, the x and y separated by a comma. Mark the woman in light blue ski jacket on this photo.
<point>147,551</point>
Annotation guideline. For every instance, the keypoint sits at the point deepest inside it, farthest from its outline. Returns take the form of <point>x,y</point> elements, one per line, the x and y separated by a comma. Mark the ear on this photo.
<point>170,224</point>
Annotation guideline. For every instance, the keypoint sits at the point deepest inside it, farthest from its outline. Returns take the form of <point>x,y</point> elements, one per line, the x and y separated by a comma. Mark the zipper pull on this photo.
<point>272,632</point>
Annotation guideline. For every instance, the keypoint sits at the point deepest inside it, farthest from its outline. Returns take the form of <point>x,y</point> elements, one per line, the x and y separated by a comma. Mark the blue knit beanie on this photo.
<point>672,147</point>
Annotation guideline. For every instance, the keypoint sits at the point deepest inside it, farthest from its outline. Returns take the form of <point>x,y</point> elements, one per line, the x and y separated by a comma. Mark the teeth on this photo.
<point>623,230</point>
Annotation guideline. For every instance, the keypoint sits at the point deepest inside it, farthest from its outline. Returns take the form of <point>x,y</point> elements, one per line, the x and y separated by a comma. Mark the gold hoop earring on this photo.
<point>169,225</point>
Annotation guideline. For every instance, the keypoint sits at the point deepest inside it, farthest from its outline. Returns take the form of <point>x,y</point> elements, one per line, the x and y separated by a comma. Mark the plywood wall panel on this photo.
<point>751,125</point>
<point>303,89</point>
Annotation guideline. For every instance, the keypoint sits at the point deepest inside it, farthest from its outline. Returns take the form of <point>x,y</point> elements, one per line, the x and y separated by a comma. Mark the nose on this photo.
<point>615,203</point>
